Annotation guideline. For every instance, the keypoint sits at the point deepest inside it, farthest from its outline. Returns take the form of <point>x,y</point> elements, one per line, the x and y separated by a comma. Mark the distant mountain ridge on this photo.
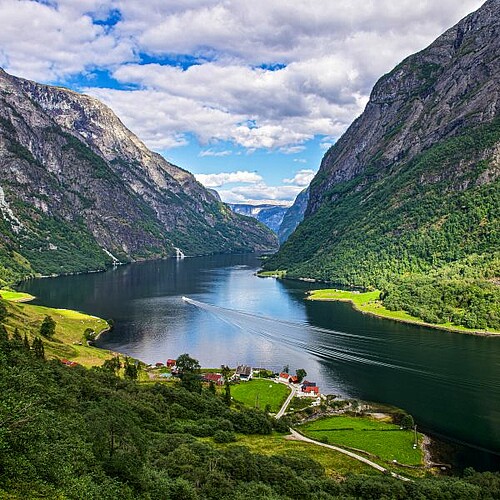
<point>408,199</point>
<point>78,191</point>
<point>270,215</point>
<point>293,216</point>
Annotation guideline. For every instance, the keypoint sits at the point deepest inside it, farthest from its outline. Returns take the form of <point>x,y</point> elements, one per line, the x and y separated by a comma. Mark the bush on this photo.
<point>224,436</point>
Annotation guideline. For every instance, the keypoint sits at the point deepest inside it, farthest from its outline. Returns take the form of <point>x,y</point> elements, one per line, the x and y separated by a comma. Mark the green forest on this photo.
<point>432,222</point>
<point>74,433</point>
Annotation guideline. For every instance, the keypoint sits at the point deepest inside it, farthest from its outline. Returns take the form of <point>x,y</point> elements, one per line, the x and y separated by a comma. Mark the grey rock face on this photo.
<point>293,216</point>
<point>82,186</point>
<point>433,95</point>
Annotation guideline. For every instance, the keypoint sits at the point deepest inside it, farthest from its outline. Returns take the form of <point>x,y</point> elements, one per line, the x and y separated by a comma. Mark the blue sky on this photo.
<point>246,95</point>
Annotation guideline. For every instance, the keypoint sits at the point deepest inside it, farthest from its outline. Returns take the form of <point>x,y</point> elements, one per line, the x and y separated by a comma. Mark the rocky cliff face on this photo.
<point>413,185</point>
<point>78,190</point>
<point>293,216</point>
<point>451,86</point>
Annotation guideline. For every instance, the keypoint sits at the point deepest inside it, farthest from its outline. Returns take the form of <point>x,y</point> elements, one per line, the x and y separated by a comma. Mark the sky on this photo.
<point>247,95</point>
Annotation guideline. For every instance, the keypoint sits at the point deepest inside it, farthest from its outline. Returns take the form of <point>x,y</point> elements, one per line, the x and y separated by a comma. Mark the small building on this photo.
<point>171,363</point>
<point>159,365</point>
<point>293,380</point>
<point>284,377</point>
<point>309,391</point>
<point>216,378</point>
<point>243,372</point>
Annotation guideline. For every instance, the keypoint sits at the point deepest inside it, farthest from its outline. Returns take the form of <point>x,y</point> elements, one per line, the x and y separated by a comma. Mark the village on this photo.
<point>296,385</point>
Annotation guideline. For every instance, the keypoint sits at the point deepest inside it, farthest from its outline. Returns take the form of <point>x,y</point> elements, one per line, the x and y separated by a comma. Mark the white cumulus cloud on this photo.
<point>220,179</point>
<point>301,178</point>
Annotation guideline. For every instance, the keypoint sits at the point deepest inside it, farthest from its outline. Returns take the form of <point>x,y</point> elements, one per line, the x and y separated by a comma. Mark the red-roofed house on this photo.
<point>171,363</point>
<point>284,377</point>
<point>309,391</point>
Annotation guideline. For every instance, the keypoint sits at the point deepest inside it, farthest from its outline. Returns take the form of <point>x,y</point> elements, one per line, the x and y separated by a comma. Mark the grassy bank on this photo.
<point>68,341</point>
<point>12,296</point>
<point>382,439</point>
<point>260,393</point>
<point>369,303</point>
<point>336,464</point>
<point>271,274</point>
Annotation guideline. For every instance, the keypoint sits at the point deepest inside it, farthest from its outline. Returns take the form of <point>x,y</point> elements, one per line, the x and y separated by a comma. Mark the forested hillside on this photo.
<point>409,198</point>
<point>73,433</point>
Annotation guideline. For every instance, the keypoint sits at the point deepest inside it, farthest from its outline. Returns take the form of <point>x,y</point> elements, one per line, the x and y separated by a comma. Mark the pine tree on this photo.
<point>26,342</point>
<point>38,348</point>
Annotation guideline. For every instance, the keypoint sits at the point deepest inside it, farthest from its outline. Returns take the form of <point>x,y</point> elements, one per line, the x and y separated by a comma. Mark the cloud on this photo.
<point>261,74</point>
<point>217,180</point>
<point>302,178</point>
<point>211,152</point>
<point>260,193</point>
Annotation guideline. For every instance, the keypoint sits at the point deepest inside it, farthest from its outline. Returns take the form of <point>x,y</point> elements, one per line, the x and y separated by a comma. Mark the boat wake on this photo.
<point>321,343</point>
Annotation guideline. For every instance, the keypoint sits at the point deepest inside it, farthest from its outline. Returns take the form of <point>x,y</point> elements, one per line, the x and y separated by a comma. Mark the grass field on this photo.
<point>271,274</point>
<point>385,440</point>
<point>336,464</point>
<point>368,302</point>
<point>261,393</point>
<point>70,326</point>
<point>15,296</point>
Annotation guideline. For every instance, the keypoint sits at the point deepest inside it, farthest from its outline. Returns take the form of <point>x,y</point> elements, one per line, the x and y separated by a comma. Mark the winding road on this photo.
<point>299,437</point>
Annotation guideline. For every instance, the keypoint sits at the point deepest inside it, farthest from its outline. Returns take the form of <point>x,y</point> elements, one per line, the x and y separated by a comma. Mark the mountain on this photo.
<point>270,215</point>
<point>79,191</point>
<point>293,216</point>
<point>408,199</point>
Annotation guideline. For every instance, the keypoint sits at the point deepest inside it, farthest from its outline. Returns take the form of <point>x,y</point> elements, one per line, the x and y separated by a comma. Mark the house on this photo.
<point>284,377</point>
<point>170,363</point>
<point>216,378</point>
<point>244,372</point>
<point>159,365</point>
<point>293,380</point>
<point>309,391</point>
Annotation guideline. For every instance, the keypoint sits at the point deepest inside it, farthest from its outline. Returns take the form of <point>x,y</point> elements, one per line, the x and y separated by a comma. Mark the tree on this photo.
<point>26,342</point>
<point>301,374</point>
<point>48,328</point>
<point>16,338</point>
<point>130,369</point>
<point>89,335</point>
<point>211,387</point>
<point>3,311</point>
<point>186,363</point>
<point>189,372</point>
<point>286,369</point>
<point>407,422</point>
<point>112,365</point>
<point>226,371</point>
<point>38,349</point>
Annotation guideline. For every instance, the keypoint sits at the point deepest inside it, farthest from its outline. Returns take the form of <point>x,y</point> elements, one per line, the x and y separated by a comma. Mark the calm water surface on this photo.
<point>449,382</point>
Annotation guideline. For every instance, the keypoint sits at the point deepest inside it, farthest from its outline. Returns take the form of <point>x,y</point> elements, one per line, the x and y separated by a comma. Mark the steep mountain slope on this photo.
<point>78,190</point>
<point>293,216</point>
<point>413,185</point>
<point>269,215</point>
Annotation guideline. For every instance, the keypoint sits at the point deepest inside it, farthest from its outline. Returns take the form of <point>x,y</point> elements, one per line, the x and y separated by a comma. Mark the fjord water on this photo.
<point>449,382</point>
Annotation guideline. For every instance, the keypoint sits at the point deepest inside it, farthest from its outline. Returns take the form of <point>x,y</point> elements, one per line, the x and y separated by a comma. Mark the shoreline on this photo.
<point>415,322</point>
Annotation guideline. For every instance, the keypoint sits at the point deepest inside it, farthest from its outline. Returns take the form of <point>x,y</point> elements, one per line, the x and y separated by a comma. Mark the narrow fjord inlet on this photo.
<point>449,382</point>
<point>250,250</point>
